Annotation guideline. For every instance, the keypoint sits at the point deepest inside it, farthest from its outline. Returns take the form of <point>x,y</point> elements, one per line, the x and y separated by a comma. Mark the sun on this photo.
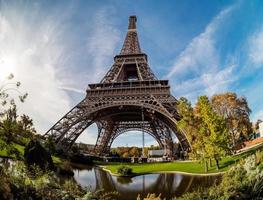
<point>7,67</point>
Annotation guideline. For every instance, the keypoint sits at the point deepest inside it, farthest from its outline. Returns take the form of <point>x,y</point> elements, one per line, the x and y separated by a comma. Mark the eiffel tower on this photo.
<point>128,98</point>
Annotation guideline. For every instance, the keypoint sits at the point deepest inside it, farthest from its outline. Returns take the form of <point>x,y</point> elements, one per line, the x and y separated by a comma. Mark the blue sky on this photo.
<point>56,48</point>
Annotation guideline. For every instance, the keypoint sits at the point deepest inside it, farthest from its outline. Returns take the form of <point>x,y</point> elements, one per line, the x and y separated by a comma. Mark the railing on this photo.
<point>129,84</point>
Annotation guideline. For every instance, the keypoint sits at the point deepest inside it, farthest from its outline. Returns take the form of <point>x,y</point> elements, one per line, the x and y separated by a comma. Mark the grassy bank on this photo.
<point>180,166</point>
<point>4,153</point>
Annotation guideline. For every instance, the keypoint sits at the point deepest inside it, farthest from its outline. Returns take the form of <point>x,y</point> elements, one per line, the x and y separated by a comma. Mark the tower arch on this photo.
<point>115,104</point>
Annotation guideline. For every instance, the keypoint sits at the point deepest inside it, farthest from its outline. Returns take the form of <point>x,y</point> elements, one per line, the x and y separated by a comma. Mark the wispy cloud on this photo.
<point>197,70</point>
<point>101,43</point>
<point>72,89</point>
<point>32,51</point>
<point>207,83</point>
<point>255,51</point>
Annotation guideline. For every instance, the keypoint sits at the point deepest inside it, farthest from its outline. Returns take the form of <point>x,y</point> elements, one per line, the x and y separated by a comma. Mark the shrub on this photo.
<point>100,195</point>
<point>36,154</point>
<point>242,181</point>
<point>18,182</point>
<point>5,190</point>
<point>124,170</point>
<point>64,168</point>
<point>150,197</point>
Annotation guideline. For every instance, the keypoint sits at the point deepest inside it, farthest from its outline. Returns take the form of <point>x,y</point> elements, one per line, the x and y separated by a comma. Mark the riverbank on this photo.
<point>20,153</point>
<point>184,167</point>
<point>162,172</point>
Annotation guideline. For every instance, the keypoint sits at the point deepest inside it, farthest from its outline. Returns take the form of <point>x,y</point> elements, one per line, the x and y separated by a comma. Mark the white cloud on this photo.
<point>72,89</point>
<point>101,44</point>
<point>256,48</point>
<point>200,54</point>
<point>39,54</point>
<point>207,83</point>
<point>197,70</point>
<point>34,61</point>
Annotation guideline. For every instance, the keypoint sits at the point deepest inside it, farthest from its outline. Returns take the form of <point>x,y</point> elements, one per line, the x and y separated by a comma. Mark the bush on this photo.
<point>124,170</point>
<point>100,195</point>
<point>36,154</point>
<point>150,197</point>
<point>18,182</point>
<point>242,181</point>
<point>5,189</point>
<point>64,168</point>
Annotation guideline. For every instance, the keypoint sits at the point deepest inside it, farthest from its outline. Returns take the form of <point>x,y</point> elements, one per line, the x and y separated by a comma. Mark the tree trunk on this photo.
<point>210,162</point>
<point>206,167</point>
<point>217,164</point>
<point>233,142</point>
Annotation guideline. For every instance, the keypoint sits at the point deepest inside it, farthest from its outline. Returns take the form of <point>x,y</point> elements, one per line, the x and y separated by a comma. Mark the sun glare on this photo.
<point>7,66</point>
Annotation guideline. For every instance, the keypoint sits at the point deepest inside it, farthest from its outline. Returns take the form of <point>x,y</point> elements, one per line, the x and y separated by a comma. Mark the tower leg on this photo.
<point>102,146</point>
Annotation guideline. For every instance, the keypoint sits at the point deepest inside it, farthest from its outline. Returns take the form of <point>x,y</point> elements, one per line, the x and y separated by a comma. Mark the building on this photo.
<point>260,129</point>
<point>155,153</point>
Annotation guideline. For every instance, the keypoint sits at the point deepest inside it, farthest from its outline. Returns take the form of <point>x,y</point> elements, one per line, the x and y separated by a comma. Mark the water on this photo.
<point>168,184</point>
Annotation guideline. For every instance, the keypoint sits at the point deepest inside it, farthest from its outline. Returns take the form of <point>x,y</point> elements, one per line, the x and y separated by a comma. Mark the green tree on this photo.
<point>50,145</point>
<point>213,130</point>
<point>235,111</point>
<point>9,126</point>
<point>188,122</point>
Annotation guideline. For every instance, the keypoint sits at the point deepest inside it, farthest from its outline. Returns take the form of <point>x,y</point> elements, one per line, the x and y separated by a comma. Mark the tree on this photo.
<point>50,145</point>
<point>257,124</point>
<point>188,122</point>
<point>26,127</point>
<point>9,126</point>
<point>125,155</point>
<point>191,124</point>
<point>236,113</point>
<point>134,152</point>
<point>9,85</point>
<point>212,131</point>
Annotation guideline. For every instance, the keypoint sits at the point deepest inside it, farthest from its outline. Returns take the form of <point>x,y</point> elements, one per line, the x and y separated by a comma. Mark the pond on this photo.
<point>168,184</point>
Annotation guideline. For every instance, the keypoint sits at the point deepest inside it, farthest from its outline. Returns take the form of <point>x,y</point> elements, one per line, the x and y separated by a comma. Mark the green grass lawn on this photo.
<point>4,153</point>
<point>181,166</point>
<point>20,148</point>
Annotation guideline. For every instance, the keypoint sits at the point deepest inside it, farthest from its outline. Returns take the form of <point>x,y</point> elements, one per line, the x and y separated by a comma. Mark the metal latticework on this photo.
<point>116,103</point>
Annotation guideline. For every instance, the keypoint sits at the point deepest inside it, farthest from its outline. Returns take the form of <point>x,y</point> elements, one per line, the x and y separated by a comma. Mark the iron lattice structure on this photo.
<point>116,103</point>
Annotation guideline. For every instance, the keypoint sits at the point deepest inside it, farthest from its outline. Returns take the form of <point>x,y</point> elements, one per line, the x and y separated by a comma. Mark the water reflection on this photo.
<point>168,184</point>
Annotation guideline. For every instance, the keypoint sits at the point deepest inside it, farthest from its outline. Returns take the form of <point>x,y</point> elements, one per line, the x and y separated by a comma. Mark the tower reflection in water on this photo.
<point>167,184</point>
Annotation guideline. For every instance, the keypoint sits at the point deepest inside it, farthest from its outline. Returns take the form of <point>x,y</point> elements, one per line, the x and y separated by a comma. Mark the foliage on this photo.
<point>100,195</point>
<point>35,154</point>
<point>17,182</point>
<point>235,111</point>
<point>49,144</point>
<point>188,121</point>
<point>10,85</point>
<point>207,130</point>
<point>65,168</point>
<point>14,128</point>
<point>126,152</point>
<point>242,181</point>
<point>124,170</point>
<point>150,197</point>
<point>5,187</point>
